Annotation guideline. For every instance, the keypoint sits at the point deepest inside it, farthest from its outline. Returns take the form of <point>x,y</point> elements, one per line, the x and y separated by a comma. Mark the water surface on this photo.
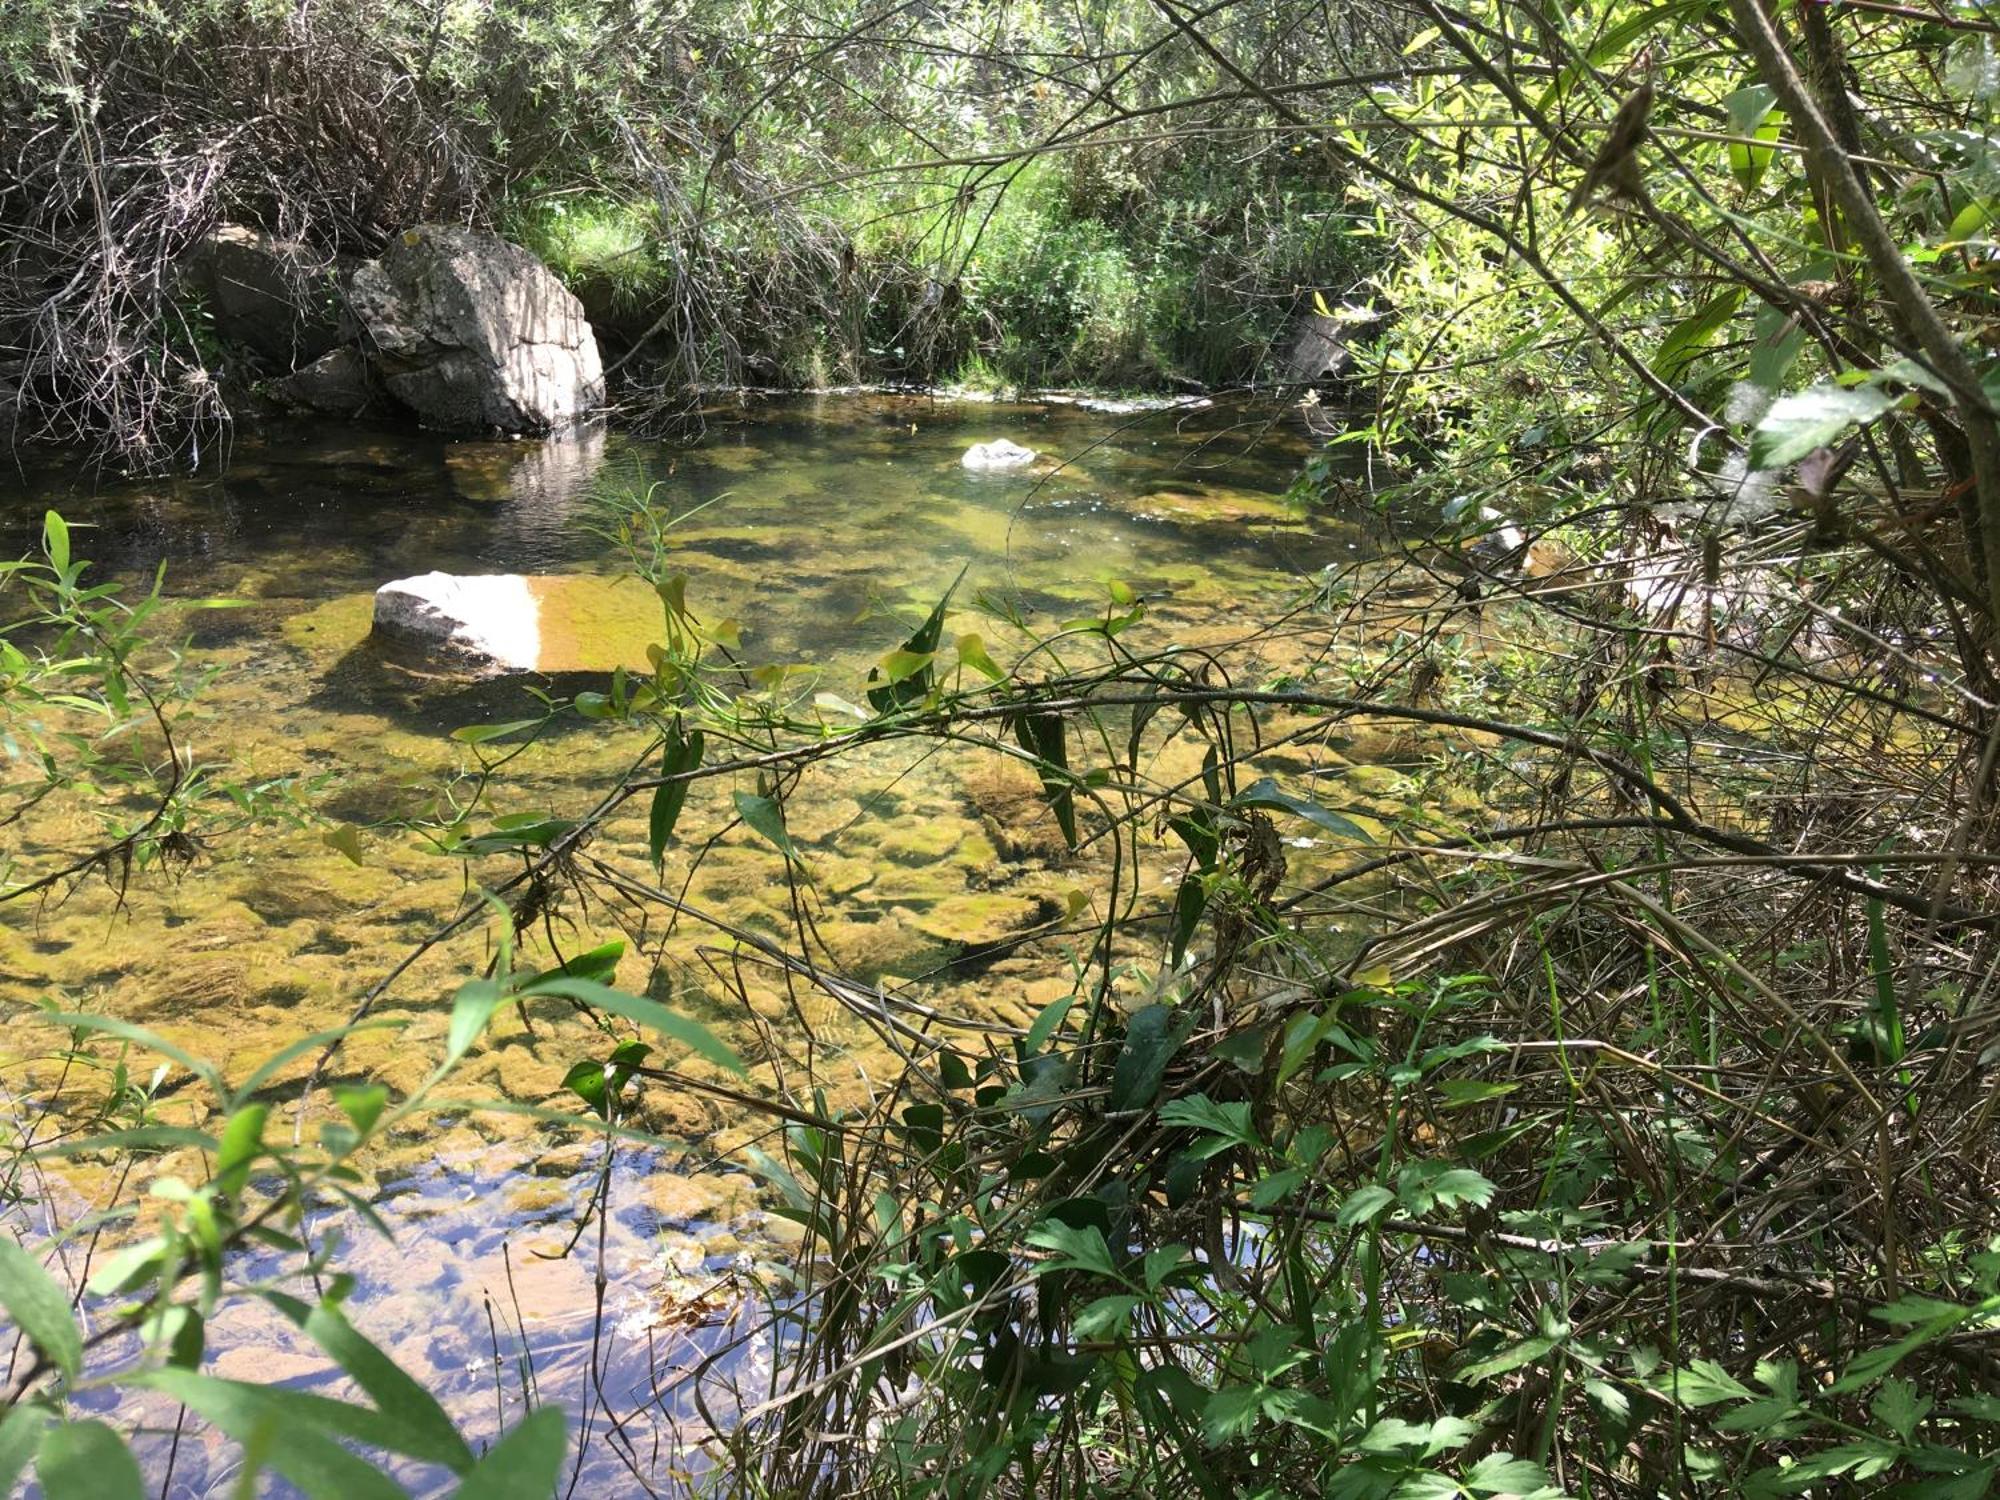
<point>825,528</point>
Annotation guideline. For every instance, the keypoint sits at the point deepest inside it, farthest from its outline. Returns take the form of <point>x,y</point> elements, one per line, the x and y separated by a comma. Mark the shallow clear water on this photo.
<point>824,528</point>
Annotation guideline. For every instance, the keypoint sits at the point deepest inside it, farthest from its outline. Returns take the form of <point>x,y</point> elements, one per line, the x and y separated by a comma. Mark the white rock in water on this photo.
<point>998,454</point>
<point>485,620</point>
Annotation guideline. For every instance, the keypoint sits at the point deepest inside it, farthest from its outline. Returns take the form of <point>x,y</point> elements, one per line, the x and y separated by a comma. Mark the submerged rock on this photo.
<point>473,334</point>
<point>510,622</point>
<point>486,621</point>
<point>997,455</point>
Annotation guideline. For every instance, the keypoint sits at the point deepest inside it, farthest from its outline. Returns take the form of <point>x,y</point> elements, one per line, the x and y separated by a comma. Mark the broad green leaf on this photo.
<point>1796,425</point>
<point>362,1105</point>
<point>40,1308</point>
<point>1752,115</point>
<point>1972,218</point>
<point>1685,341</point>
<point>767,816</point>
<point>972,653</point>
<point>675,1027</point>
<point>526,1464</point>
<point>1044,736</point>
<point>472,1010</point>
<point>55,541</point>
<point>296,1432</point>
<point>914,685</point>
<point>1511,1358</point>
<point>1266,793</point>
<point>1228,1123</point>
<point>1074,1249</point>
<point>344,840</point>
<point>680,756</point>
<point>1365,1204</point>
<point>1142,1060</point>
<point>1046,1023</point>
<point>20,1435</point>
<point>1106,1317</point>
<point>394,1392</point>
<point>88,1461</point>
<point>242,1139</point>
<point>1504,1474</point>
<point>480,734</point>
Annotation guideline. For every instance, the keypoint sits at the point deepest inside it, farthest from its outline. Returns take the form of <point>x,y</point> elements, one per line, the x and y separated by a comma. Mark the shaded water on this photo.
<point>830,527</point>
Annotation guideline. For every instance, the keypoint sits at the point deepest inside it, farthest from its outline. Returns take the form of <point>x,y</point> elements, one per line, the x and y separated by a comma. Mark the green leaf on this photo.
<point>1796,425</point>
<point>972,653</point>
<point>1106,1317</point>
<point>20,1435</point>
<point>767,816</point>
<point>395,1393</point>
<point>1189,903</point>
<point>1142,1060</point>
<point>599,964</point>
<point>1046,1023</point>
<point>1075,1249</point>
<point>1504,1474</point>
<point>914,684</point>
<point>1972,218</point>
<point>40,1308</point>
<point>526,1464</point>
<point>516,832</point>
<point>1045,737</point>
<point>479,734</point>
<point>1511,1358</point>
<point>472,1010</point>
<point>1231,1412</point>
<point>1228,1124</point>
<point>295,1431</point>
<point>88,1461</point>
<point>1266,793</point>
<point>1752,114</point>
<point>345,841</point>
<point>1461,1185</point>
<point>1365,1204</point>
<point>693,1035</point>
<point>362,1106</point>
<point>586,1080</point>
<point>242,1139</point>
<point>679,757</point>
<point>1685,341</point>
<point>55,541</point>
<point>1703,1383</point>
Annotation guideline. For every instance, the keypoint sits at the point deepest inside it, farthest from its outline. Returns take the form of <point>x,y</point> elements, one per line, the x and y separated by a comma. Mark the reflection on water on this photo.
<point>810,522</point>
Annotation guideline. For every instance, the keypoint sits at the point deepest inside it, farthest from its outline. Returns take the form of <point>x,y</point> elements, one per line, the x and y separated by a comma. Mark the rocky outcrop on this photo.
<point>475,334</point>
<point>275,298</point>
<point>1318,352</point>
<point>996,456</point>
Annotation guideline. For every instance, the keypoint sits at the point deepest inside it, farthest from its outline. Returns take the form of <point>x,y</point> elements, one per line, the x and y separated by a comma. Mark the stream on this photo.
<point>824,528</point>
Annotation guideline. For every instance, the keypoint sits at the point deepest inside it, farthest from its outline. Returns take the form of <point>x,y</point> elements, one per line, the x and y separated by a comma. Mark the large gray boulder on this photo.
<point>276,298</point>
<point>474,334</point>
